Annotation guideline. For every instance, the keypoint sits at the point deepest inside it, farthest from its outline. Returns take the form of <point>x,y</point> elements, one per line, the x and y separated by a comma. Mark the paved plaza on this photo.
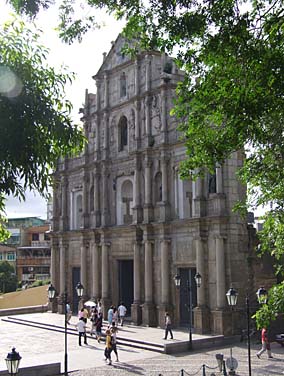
<point>38,346</point>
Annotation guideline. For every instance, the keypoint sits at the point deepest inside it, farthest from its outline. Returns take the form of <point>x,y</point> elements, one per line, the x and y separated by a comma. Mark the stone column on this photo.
<point>97,208</point>
<point>137,123</point>
<point>97,141</point>
<point>164,208</point>
<point>148,118</point>
<point>85,202</point>
<point>63,218</point>
<point>219,179</point>
<point>148,207</point>
<point>53,273</point>
<point>95,271</point>
<point>164,125</point>
<point>148,73</point>
<point>105,209</point>
<point>148,313</point>
<point>106,94</point>
<point>201,312</point>
<point>98,98</point>
<point>105,278</point>
<point>84,263</point>
<point>199,200</point>
<point>63,279</point>
<point>220,273</point>
<point>137,209</point>
<point>136,314</point>
<point>165,280</point>
<point>136,77</point>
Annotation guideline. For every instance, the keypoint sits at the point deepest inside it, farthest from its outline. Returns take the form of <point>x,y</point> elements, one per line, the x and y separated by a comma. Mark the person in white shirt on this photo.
<point>81,327</point>
<point>121,313</point>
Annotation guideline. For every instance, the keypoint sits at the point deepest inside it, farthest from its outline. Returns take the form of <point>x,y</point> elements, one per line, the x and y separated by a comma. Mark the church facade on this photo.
<point>125,224</point>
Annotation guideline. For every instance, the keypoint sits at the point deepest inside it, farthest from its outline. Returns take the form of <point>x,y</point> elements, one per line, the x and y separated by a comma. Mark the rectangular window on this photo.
<point>35,237</point>
<point>1,256</point>
<point>11,256</point>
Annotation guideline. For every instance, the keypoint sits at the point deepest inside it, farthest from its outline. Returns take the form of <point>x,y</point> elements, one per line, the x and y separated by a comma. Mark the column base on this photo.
<point>53,306</point>
<point>164,212</point>
<point>149,314</point>
<point>136,313</point>
<point>201,320</point>
<point>199,207</point>
<point>222,322</point>
<point>137,214</point>
<point>148,213</point>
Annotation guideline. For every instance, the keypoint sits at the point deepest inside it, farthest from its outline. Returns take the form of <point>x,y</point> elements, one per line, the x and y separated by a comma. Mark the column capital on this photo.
<point>166,241</point>
<point>201,238</point>
<point>220,237</point>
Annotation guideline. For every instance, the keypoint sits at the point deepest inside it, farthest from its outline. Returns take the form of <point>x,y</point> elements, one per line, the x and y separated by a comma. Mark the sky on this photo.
<point>82,58</point>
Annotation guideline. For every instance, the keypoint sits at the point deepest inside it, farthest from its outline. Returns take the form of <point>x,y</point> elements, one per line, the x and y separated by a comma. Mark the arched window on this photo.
<point>127,201</point>
<point>123,85</point>
<point>158,187</point>
<point>122,133</point>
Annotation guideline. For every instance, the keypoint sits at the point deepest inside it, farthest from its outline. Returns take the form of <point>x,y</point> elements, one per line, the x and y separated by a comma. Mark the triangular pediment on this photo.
<point>115,56</point>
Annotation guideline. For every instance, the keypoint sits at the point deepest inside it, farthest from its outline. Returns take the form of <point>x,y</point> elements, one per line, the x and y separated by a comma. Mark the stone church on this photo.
<point>124,223</point>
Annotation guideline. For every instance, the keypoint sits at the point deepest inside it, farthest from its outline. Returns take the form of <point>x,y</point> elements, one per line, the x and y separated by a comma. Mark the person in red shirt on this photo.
<point>265,344</point>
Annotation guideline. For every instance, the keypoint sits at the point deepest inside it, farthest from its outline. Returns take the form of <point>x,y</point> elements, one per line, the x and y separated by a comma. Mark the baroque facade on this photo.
<point>124,223</point>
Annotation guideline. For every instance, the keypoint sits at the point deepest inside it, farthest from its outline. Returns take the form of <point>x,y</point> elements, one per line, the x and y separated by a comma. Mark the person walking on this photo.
<point>168,326</point>
<point>81,327</point>
<point>121,313</point>
<point>93,319</point>
<point>99,324</point>
<point>115,316</point>
<point>108,348</point>
<point>110,316</point>
<point>114,331</point>
<point>265,344</point>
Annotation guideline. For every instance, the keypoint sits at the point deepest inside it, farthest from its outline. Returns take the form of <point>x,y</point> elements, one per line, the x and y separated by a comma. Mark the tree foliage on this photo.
<point>8,278</point>
<point>232,97</point>
<point>35,127</point>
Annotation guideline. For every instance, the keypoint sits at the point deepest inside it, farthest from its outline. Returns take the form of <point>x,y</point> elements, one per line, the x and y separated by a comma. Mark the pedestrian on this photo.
<point>81,327</point>
<point>114,331</point>
<point>68,313</point>
<point>121,313</point>
<point>115,316</point>
<point>99,307</point>
<point>99,324</point>
<point>168,326</point>
<point>110,316</point>
<point>265,344</point>
<point>108,348</point>
<point>93,319</point>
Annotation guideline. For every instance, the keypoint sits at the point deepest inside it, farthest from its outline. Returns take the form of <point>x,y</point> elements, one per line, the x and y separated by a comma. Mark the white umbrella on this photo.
<point>90,304</point>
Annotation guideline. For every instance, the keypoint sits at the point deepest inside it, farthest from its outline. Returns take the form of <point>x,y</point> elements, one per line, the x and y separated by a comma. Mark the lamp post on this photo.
<point>51,294</point>
<point>198,279</point>
<point>262,295</point>
<point>232,301</point>
<point>13,361</point>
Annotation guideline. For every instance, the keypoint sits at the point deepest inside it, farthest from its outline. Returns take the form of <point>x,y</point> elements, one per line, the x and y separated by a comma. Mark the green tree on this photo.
<point>232,96</point>
<point>8,278</point>
<point>35,127</point>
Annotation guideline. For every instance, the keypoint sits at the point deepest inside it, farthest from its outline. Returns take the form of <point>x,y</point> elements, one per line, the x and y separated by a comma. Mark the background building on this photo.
<point>124,223</point>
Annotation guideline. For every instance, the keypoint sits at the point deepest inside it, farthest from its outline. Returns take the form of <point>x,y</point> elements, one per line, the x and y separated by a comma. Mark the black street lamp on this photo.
<point>51,294</point>
<point>232,301</point>
<point>198,279</point>
<point>13,361</point>
<point>262,295</point>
